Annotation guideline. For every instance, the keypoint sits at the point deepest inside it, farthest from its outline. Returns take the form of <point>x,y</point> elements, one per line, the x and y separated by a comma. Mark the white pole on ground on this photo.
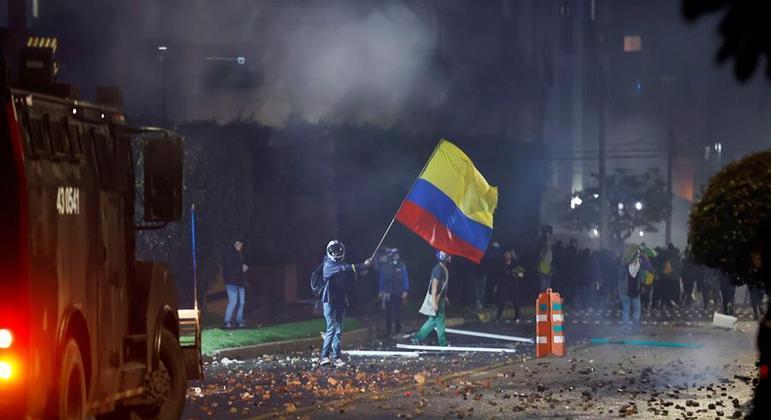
<point>380,353</point>
<point>465,349</point>
<point>488,335</point>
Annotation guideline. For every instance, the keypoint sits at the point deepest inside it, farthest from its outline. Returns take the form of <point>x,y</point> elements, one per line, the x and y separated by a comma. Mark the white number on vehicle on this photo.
<point>68,200</point>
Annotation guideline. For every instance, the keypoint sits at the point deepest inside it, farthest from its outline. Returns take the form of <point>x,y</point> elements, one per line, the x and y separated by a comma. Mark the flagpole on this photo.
<point>405,199</point>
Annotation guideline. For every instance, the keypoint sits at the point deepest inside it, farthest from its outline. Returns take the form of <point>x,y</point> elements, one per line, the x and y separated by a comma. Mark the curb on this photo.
<point>354,337</point>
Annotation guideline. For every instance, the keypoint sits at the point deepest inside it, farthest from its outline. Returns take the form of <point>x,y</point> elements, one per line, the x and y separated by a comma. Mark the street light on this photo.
<point>642,234</point>
<point>638,205</point>
<point>575,202</point>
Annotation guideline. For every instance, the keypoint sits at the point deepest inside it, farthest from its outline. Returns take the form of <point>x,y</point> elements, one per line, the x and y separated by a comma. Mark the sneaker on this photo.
<point>339,363</point>
<point>325,361</point>
<point>228,326</point>
<point>242,325</point>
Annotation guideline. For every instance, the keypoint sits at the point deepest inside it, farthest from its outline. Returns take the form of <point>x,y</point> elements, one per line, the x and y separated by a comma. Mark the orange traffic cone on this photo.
<point>549,332</point>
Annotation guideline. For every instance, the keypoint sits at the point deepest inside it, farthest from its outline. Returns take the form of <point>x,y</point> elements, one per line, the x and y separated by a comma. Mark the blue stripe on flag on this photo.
<point>434,201</point>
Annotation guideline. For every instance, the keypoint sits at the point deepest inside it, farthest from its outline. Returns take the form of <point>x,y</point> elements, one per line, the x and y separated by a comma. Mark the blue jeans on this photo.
<point>635,301</point>
<point>235,295</point>
<point>333,315</point>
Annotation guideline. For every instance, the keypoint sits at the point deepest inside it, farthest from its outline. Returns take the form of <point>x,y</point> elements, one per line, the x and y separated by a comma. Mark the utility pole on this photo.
<point>602,169</point>
<point>601,121</point>
<point>670,160</point>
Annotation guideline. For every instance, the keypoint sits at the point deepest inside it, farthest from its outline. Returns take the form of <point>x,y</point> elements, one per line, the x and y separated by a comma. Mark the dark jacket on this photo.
<point>623,280</point>
<point>232,272</point>
<point>505,278</point>
<point>392,278</point>
<point>337,275</point>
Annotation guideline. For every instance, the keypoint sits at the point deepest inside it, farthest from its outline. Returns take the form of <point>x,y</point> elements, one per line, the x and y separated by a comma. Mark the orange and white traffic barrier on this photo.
<point>549,330</point>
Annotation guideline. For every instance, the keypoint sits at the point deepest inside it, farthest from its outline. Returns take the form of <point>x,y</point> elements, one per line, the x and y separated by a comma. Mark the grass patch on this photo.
<point>217,339</point>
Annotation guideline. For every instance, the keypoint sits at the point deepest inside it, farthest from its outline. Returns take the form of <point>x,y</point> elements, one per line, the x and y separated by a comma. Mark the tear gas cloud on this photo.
<point>351,61</point>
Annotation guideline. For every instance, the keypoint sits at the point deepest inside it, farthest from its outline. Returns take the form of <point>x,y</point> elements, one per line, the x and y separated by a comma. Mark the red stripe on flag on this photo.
<point>435,233</point>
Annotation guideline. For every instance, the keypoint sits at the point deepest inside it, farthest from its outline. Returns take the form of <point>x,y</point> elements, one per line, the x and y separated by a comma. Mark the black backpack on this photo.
<point>317,281</point>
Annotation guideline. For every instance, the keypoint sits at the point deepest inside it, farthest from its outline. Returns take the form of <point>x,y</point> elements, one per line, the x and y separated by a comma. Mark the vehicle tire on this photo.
<point>172,361</point>
<point>71,397</point>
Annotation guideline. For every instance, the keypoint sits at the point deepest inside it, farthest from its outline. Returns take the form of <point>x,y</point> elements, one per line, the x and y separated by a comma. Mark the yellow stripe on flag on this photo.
<point>452,172</point>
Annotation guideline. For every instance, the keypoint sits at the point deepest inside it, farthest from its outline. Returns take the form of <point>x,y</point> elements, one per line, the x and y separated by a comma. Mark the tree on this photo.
<point>744,29</point>
<point>733,216</point>
<point>635,202</point>
<point>222,162</point>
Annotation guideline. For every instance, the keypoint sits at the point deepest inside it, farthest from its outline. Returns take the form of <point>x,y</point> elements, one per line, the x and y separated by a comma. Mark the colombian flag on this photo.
<point>451,205</point>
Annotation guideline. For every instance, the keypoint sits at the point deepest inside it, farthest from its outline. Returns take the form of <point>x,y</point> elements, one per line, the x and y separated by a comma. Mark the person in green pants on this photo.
<point>439,279</point>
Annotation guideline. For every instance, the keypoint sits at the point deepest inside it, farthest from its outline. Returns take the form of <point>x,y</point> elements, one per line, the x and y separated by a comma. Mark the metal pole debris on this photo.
<point>647,343</point>
<point>469,349</point>
<point>379,353</point>
<point>488,335</point>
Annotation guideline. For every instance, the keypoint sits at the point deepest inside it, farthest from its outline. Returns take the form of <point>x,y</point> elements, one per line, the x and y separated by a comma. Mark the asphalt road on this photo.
<point>592,381</point>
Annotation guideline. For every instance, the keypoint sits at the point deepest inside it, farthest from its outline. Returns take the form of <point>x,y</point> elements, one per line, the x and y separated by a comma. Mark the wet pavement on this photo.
<point>592,381</point>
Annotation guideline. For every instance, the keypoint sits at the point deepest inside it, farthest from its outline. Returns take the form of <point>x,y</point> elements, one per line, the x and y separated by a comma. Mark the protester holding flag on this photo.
<point>434,302</point>
<point>334,298</point>
<point>450,206</point>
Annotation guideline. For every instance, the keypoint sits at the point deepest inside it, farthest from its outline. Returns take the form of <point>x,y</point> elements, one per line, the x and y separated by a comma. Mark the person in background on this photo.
<point>508,279</point>
<point>756,299</point>
<point>334,299</point>
<point>691,276</point>
<point>629,283</point>
<point>761,403</point>
<point>558,268</point>
<point>609,263</point>
<point>727,292</point>
<point>234,273</point>
<point>486,272</point>
<point>394,284</point>
<point>709,286</point>
<point>755,281</point>
<point>667,288</point>
<point>583,279</point>
<point>570,266</point>
<point>438,291</point>
<point>545,258</point>
<point>595,280</point>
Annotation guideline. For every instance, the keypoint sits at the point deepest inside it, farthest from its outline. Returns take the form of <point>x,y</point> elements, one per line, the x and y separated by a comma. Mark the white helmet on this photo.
<point>335,250</point>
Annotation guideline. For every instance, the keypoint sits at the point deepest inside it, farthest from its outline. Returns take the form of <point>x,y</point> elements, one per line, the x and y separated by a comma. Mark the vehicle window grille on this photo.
<point>75,141</point>
<point>39,137</point>
<point>59,140</point>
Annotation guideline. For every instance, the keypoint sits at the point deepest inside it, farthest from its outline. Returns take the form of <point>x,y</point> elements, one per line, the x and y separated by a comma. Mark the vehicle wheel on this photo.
<point>169,382</point>
<point>72,384</point>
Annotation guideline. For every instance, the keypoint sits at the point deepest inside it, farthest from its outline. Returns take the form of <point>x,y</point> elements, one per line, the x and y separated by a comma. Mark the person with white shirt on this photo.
<point>629,284</point>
